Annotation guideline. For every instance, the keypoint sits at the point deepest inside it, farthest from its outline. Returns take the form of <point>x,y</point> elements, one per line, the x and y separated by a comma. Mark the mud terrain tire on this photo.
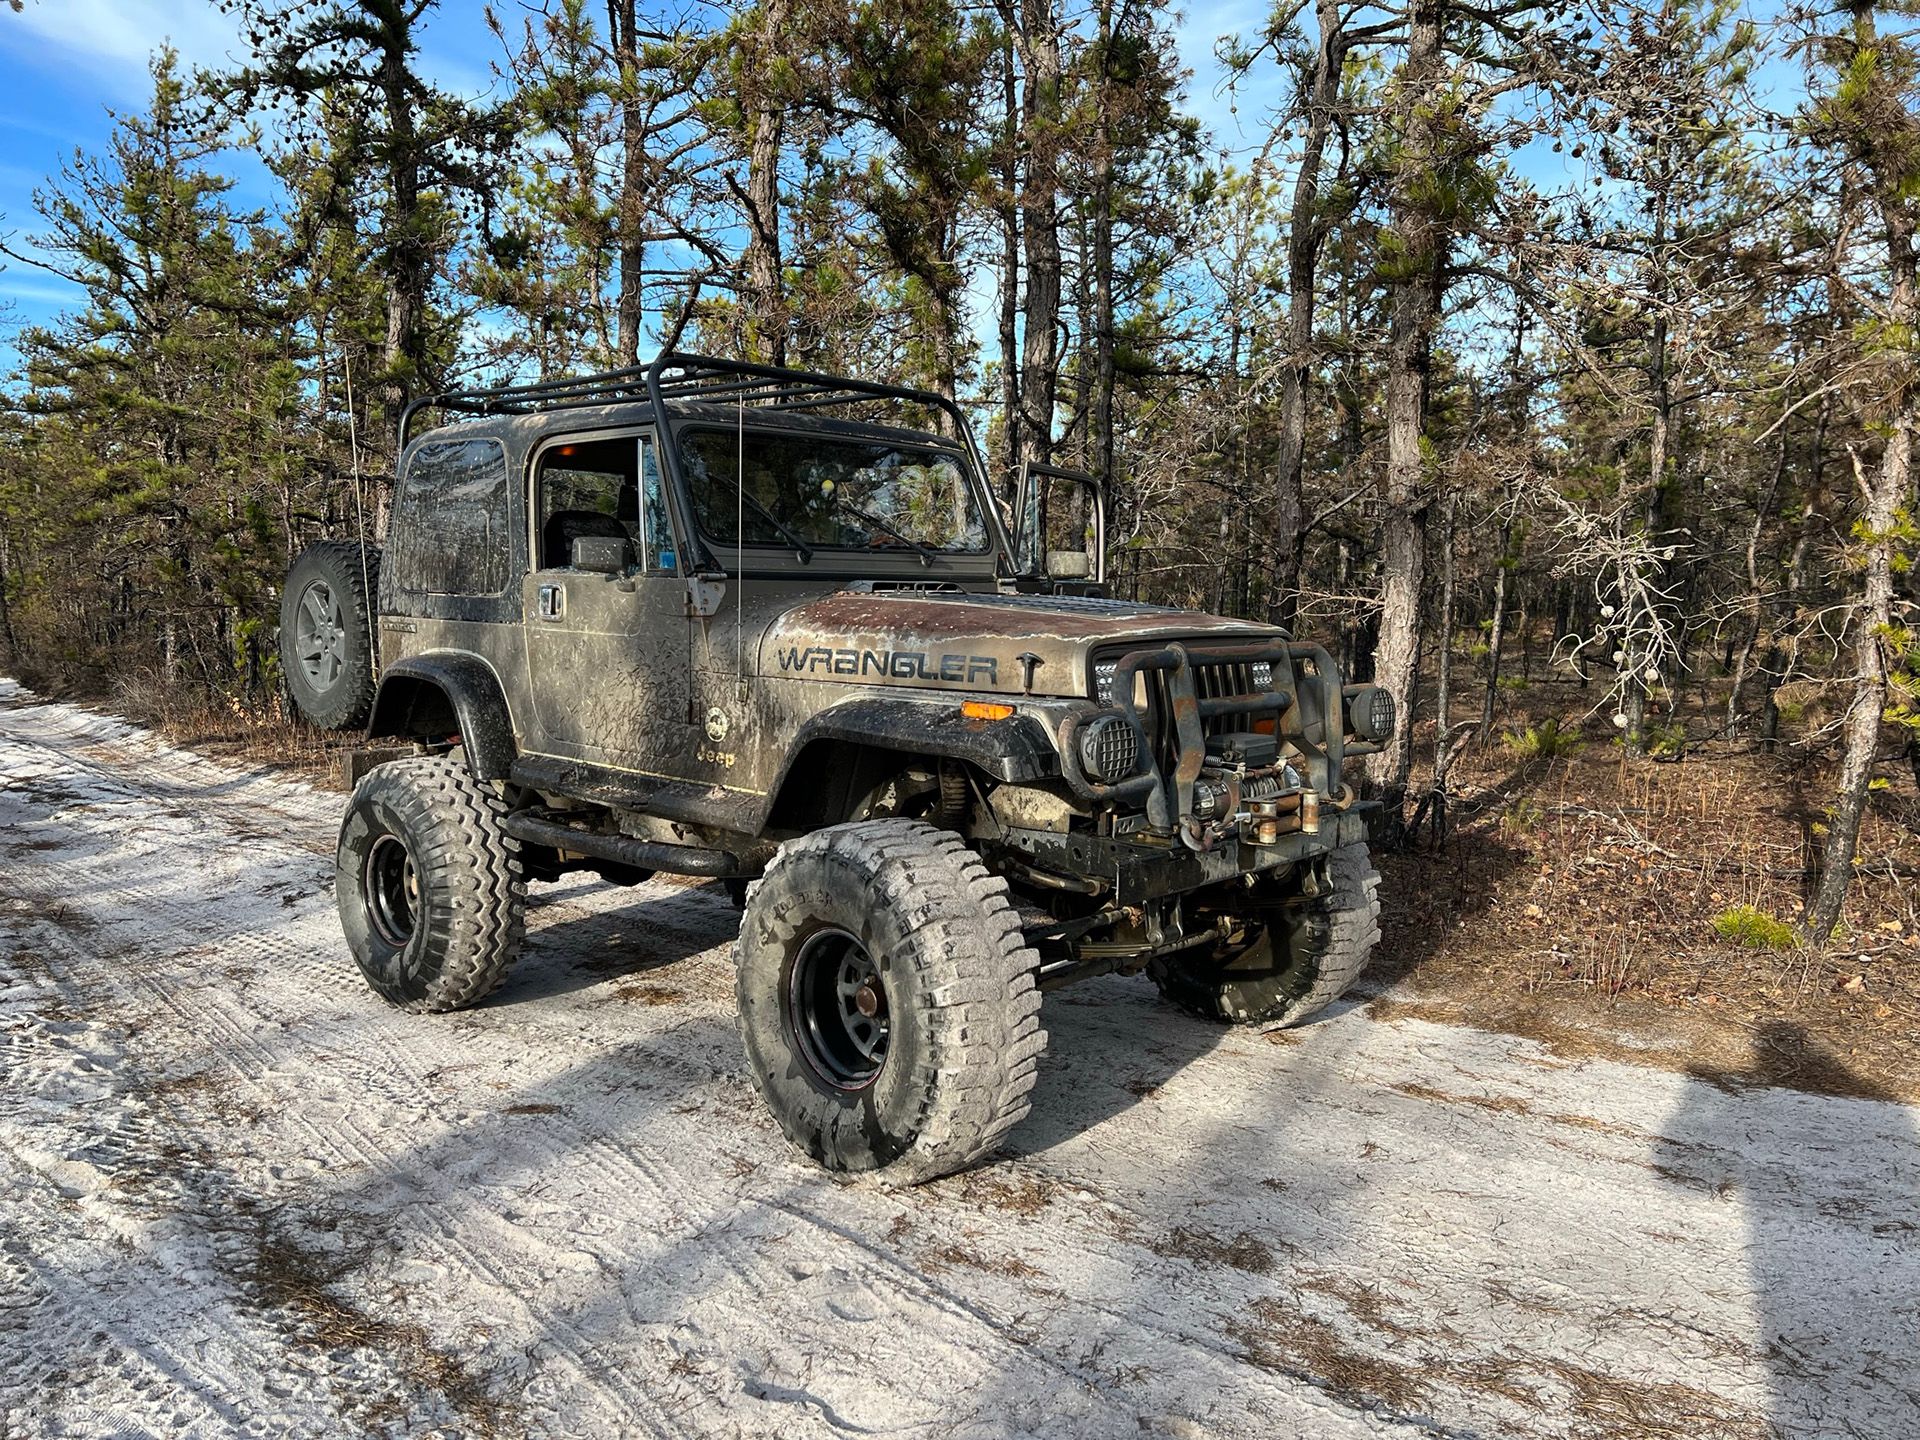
<point>887,1000</point>
<point>429,885</point>
<point>1294,968</point>
<point>325,648</point>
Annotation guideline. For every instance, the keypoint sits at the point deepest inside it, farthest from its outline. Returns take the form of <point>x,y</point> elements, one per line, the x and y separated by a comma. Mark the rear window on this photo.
<point>449,531</point>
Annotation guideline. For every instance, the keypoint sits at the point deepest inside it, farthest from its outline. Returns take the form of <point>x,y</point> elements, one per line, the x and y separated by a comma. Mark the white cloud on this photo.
<point>114,38</point>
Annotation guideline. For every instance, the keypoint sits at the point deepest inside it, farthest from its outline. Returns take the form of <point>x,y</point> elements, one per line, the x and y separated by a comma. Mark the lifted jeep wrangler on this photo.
<point>769,626</point>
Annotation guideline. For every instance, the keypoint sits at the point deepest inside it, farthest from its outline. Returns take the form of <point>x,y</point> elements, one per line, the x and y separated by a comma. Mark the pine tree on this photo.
<point>435,157</point>
<point>155,404</point>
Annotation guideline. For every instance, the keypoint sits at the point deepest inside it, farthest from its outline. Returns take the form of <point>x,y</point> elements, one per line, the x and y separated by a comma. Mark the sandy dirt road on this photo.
<point>238,1195</point>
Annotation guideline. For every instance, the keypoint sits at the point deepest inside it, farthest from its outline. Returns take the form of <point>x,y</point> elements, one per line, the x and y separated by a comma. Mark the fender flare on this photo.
<point>1016,749</point>
<point>475,703</point>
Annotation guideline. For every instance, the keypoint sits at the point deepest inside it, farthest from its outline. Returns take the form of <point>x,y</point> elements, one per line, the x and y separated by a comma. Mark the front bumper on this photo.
<point>1182,700</point>
<point>1135,872</point>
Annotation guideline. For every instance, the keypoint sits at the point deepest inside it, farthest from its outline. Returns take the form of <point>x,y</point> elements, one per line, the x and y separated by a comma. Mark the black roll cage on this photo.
<point>677,376</point>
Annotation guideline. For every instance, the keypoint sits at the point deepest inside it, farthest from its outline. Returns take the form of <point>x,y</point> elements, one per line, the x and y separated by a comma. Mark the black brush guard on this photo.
<point>1190,686</point>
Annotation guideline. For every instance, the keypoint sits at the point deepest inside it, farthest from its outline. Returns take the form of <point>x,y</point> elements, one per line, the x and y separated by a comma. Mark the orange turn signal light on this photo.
<point>985,710</point>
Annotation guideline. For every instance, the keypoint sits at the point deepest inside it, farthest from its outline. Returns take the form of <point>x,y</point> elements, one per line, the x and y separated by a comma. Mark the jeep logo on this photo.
<point>892,664</point>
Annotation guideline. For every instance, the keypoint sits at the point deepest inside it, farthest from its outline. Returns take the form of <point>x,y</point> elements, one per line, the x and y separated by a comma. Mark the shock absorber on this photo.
<point>955,794</point>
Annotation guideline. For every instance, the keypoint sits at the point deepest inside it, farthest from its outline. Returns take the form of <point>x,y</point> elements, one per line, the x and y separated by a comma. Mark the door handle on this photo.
<point>552,602</point>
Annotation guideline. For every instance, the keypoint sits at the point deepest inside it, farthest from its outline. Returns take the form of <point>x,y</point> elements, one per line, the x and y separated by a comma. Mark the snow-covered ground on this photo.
<point>239,1195</point>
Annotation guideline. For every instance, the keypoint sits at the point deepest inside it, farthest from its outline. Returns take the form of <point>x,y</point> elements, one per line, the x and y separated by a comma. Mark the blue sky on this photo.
<point>68,63</point>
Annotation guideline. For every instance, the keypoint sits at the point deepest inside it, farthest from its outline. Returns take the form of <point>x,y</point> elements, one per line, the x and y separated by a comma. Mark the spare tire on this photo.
<point>326,642</point>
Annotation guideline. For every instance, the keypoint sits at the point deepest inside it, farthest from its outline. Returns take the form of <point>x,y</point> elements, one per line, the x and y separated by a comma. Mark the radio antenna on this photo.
<point>740,547</point>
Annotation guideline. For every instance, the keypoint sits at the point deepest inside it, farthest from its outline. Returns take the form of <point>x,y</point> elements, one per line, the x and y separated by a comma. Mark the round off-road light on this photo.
<point>1109,749</point>
<point>1370,713</point>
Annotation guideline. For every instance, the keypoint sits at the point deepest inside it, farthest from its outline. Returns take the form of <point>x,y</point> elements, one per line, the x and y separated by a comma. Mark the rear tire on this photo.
<point>887,1000</point>
<point>326,645</point>
<point>1297,965</point>
<point>430,886</point>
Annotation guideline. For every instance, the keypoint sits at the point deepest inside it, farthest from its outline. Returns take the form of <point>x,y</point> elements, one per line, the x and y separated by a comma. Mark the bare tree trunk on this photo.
<point>766,308</point>
<point>1889,159</point>
<point>1039,42</point>
<point>945,324</point>
<point>1884,494</point>
<point>1415,312</point>
<point>1009,215</point>
<point>1306,234</point>
<point>1497,631</point>
<point>1103,369</point>
<point>1756,592</point>
<point>408,255</point>
<point>1443,697</point>
<point>630,209</point>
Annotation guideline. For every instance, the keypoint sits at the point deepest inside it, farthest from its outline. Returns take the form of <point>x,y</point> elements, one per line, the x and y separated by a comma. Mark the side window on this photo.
<point>449,533</point>
<point>653,498</point>
<point>588,489</point>
<point>608,489</point>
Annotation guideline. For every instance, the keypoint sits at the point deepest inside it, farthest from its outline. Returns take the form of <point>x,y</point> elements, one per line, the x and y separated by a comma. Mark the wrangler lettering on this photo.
<point>949,669</point>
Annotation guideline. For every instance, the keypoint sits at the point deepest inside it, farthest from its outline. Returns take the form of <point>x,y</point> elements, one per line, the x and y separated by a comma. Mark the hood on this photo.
<point>966,641</point>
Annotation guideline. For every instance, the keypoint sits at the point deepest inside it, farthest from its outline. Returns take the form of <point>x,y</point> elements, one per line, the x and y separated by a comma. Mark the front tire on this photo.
<point>887,1000</point>
<point>1297,965</point>
<point>430,887</point>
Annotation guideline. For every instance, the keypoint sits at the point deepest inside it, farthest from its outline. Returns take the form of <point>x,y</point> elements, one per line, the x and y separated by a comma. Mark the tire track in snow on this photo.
<point>389,1077</point>
<point>577,1193</point>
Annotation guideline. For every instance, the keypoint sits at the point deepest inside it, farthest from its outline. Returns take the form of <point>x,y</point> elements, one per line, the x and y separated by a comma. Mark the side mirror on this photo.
<point>1060,525</point>
<point>602,555</point>
<point>1069,565</point>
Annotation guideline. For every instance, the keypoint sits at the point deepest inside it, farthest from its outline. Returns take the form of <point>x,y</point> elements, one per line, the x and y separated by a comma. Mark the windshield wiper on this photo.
<point>800,547</point>
<point>841,501</point>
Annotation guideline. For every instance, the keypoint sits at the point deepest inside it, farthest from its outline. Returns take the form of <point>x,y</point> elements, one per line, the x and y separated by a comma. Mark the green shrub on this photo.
<point>1522,817</point>
<point>1542,741</point>
<point>1755,929</point>
<point>1666,742</point>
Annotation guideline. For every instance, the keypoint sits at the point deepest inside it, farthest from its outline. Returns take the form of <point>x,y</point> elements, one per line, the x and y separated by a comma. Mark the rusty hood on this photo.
<point>970,641</point>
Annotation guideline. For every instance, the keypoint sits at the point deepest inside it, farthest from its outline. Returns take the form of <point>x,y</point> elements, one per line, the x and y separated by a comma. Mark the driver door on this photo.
<point>606,627</point>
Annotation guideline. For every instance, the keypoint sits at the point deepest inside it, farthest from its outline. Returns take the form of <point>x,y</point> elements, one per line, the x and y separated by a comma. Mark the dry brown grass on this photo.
<point>946,1257</point>
<point>1012,1192</point>
<point>1243,1251</point>
<point>305,1287</point>
<point>1294,1342</point>
<point>1640,1408</point>
<point>1575,902</point>
<point>641,993</point>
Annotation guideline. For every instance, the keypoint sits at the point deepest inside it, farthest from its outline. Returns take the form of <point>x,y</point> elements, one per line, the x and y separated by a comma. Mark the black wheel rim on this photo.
<point>320,635</point>
<point>837,998</point>
<point>392,886</point>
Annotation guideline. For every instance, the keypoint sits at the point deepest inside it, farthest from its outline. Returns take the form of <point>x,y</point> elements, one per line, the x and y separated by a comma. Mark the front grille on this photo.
<point>1215,680</point>
<point>1236,697</point>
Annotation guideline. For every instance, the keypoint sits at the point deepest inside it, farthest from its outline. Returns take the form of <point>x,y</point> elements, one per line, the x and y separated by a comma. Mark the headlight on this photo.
<point>1103,681</point>
<point>1370,712</point>
<point>1109,749</point>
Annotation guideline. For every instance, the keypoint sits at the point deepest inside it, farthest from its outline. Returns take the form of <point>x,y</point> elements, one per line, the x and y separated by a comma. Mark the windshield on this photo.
<point>831,492</point>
